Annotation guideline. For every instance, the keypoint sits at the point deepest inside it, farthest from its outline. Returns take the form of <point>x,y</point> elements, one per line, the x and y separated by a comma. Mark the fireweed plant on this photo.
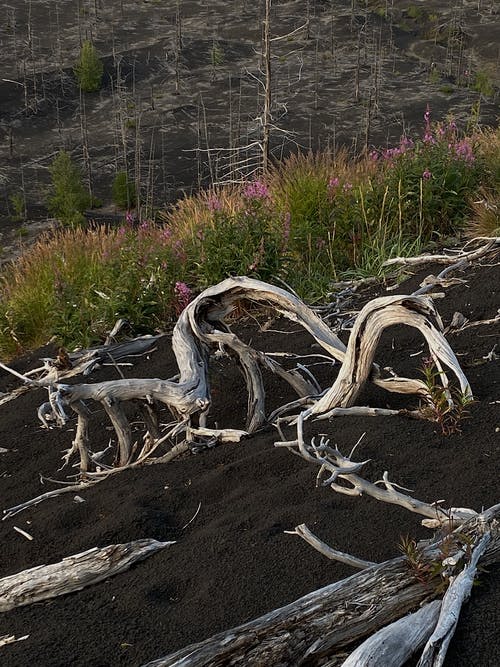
<point>311,220</point>
<point>447,407</point>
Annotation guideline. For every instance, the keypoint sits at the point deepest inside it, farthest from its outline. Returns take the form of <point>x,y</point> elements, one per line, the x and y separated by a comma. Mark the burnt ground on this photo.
<point>180,113</point>
<point>234,562</point>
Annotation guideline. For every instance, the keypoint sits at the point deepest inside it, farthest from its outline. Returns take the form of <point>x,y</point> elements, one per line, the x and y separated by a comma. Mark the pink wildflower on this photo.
<point>183,295</point>
<point>427,175</point>
<point>463,151</point>
<point>214,204</point>
<point>391,153</point>
<point>346,187</point>
<point>256,190</point>
<point>333,182</point>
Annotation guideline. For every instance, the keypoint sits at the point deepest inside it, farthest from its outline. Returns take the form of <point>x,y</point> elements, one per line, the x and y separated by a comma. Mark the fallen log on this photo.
<point>393,645</point>
<point>73,573</point>
<point>315,629</point>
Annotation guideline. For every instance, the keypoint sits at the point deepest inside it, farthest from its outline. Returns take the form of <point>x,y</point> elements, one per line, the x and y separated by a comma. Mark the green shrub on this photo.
<point>482,84</point>
<point>69,197</point>
<point>89,68</point>
<point>123,191</point>
<point>252,240</point>
<point>17,202</point>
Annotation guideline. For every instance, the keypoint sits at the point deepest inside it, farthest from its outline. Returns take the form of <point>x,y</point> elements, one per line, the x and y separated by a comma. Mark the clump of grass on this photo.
<point>76,283</point>
<point>485,204</point>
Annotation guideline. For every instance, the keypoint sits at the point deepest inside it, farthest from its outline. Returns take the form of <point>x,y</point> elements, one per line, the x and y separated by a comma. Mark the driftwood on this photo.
<point>71,488</point>
<point>82,362</point>
<point>73,573</point>
<point>466,256</point>
<point>341,474</point>
<point>459,591</point>
<point>316,628</point>
<point>201,328</point>
<point>393,645</point>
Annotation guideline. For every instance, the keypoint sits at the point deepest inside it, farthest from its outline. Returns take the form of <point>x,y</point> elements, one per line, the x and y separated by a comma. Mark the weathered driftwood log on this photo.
<point>201,328</point>
<point>458,592</point>
<point>317,627</point>
<point>455,258</point>
<point>73,573</point>
<point>393,645</point>
<point>373,319</point>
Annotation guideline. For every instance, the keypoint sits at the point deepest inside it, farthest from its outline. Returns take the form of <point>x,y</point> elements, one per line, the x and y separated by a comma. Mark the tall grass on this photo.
<point>311,220</point>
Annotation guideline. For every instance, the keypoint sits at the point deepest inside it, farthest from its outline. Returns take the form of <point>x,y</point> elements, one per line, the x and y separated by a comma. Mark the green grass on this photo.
<point>312,220</point>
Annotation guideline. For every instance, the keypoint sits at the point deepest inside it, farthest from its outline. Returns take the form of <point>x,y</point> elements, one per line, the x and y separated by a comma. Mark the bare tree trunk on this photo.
<point>266,115</point>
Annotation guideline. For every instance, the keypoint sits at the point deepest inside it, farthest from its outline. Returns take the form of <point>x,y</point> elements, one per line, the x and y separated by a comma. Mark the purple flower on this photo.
<point>183,296</point>
<point>373,155</point>
<point>214,204</point>
<point>426,175</point>
<point>391,153</point>
<point>333,182</point>
<point>405,143</point>
<point>130,217</point>
<point>256,190</point>
<point>463,151</point>
<point>346,187</point>
<point>427,115</point>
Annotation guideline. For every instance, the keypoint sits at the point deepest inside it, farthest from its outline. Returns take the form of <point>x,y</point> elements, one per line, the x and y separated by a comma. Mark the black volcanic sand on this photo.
<point>234,562</point>
<point>362,73</point>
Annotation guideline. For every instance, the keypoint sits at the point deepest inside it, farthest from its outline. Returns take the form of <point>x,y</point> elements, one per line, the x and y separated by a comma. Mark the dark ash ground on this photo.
<point>234,562</point>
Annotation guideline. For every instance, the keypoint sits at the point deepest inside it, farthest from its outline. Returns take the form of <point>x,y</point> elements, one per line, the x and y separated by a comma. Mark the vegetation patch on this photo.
<point>310,221</point>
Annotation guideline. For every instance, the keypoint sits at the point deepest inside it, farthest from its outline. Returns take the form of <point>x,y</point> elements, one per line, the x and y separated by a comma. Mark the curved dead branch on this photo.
<point>201,329</point>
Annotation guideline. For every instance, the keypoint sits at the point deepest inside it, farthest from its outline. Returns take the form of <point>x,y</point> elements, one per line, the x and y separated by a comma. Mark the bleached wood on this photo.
<point>458,592</point>
<point>336,468</point>
<point>12,511</point>
<point>469,256</point>
<point>393,645</point>
<point>201,328</point>
<point>373,319</point>
<point>73,573</point>
<point>332,554</point>
<point>319,625</point>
